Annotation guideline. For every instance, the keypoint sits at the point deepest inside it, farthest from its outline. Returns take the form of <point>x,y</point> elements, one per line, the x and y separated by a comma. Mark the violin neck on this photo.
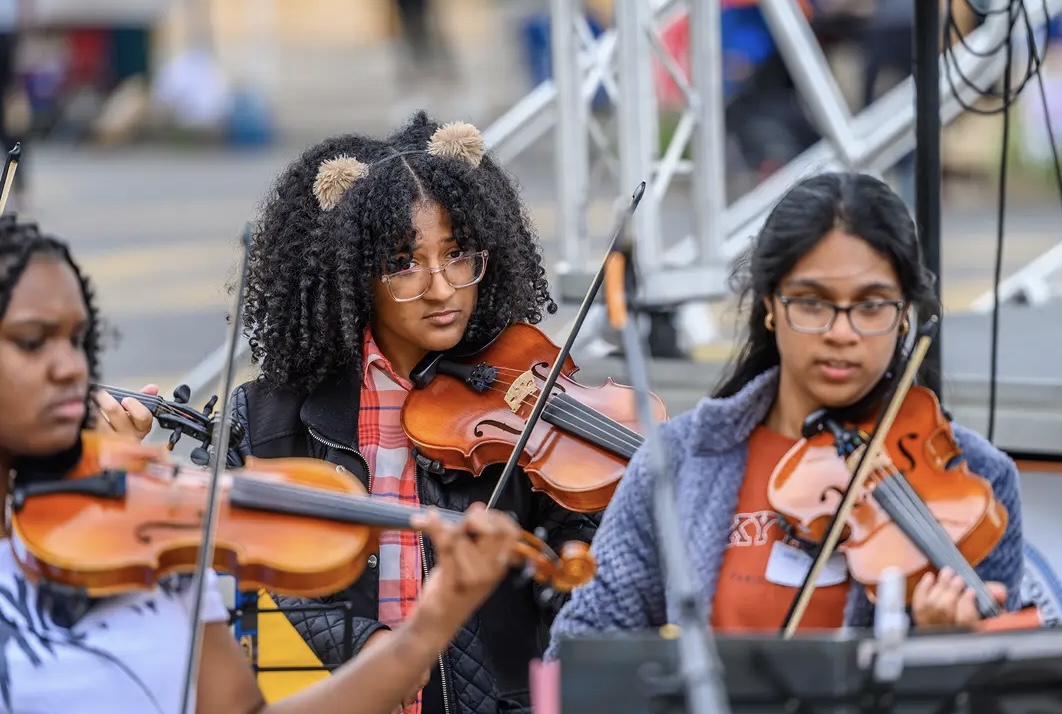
<point>150,401</point>
<point>296,500</point>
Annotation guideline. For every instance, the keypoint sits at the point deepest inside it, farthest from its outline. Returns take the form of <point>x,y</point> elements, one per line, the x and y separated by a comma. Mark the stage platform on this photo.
<point>1029,381</point>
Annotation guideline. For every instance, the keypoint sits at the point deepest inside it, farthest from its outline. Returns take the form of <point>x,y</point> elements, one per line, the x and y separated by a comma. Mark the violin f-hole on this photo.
<point>141,533</point>
<point>478,429</point>
<point>902,448</point>
<point>538,368</point>
<point>860,499</point>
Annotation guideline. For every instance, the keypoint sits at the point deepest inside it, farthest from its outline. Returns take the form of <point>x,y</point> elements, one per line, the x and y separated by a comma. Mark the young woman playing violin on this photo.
<point>371,254</point>
<point>127,653</point>
<point>834,279</point>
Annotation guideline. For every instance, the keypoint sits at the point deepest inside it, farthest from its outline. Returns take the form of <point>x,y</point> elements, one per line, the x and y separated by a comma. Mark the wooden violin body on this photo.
<point>807,487</point>
<point>469,417</point>
<point>124,519</point>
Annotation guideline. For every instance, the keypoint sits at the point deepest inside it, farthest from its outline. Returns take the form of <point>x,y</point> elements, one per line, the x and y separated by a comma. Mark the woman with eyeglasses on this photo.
<point>833,283</point>
<point>370,254</point>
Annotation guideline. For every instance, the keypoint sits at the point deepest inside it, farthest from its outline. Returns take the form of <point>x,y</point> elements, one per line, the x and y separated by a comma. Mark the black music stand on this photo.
<point>1001,673</point>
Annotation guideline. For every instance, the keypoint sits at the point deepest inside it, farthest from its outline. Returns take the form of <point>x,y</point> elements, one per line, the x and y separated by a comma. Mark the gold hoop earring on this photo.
<point>905,326</point>
<point>768,322</point>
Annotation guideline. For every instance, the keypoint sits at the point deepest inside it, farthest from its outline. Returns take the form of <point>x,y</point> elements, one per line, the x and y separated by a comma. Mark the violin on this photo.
<point>466,414</point>
<point>180,419</point>
<point>901,499</point>
<point>951,514</point>
<point>126,516</point>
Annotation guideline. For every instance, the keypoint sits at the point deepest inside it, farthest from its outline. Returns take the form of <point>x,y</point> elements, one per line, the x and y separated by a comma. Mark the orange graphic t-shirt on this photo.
<point>745,598</point>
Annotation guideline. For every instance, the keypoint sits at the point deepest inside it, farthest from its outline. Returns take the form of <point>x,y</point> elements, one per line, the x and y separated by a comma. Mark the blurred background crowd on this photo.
<point>155,127</point>
<point>258,72</point>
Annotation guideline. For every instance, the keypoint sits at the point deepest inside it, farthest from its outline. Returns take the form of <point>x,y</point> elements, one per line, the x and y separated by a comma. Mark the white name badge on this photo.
<point>788,566</point>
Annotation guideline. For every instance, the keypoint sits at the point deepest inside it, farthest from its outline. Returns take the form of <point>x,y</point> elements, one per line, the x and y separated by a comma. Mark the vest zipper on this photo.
<point>348,449</point>
<point>424,568</point>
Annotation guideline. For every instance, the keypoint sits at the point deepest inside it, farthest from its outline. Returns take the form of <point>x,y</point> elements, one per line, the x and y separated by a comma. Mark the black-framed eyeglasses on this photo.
<point>816,316</point>
<point>460,272</point>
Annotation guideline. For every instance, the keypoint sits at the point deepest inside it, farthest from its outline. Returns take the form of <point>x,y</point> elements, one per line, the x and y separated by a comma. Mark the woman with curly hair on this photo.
<point>371,254</point>
<point>62,651</point>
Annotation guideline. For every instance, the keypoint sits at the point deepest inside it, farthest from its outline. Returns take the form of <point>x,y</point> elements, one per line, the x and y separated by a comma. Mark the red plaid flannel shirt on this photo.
<point>387,450</point>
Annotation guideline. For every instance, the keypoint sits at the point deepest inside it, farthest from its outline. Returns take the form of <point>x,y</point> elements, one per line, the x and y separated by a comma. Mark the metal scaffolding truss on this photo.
<point>1031,285</point>
<point>690,271</point>
<point>621,60</point>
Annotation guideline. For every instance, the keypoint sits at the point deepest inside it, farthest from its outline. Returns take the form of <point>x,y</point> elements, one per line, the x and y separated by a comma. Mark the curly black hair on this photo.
<point>308,296</point>
<point>19,244</point>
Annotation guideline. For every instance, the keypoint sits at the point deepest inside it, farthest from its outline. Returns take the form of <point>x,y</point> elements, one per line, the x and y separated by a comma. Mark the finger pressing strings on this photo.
<point>99,408</point>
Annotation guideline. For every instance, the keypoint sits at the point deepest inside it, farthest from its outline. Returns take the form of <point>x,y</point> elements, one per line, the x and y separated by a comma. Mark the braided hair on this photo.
<point>20,243</point>
<point>337,217</point>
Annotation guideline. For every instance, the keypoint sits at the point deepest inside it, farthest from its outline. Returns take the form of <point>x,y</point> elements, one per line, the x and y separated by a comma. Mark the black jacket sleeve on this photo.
<point>240,415</point>
<point>561,526</point>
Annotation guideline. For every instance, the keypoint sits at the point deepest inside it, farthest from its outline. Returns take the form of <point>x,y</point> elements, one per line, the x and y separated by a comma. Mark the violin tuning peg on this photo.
<point>200,456</point>
<point>175,436</point>
<point>209,408</point>
<point>182,394</point>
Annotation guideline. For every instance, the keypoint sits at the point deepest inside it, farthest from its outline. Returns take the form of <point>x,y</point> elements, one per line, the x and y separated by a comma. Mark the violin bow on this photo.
<point>8,180</point>
<point>554,372</point>
<point>219,443</point>
<point>699,664</point>
<point>885,419</point>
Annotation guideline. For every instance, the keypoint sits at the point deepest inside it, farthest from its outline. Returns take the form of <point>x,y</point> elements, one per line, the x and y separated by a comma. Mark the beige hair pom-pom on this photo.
<point>458,140</point>
<point>334,178</point>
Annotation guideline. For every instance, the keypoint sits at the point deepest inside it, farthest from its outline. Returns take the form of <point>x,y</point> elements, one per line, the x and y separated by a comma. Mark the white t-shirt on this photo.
<point>128,654</point>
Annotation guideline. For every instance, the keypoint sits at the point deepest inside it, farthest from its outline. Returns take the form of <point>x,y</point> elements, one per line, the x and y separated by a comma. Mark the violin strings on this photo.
<point>946,551</point>
<point>148,400</point>
<point>568,412</point>
<point>608,432</point>
<point>263,494</point>
<point>899,491</point>
<point>907,509</point>
<point>909,512</point>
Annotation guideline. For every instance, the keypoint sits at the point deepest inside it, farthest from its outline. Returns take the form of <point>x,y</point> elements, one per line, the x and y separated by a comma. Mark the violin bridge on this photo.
<point>521,388</point>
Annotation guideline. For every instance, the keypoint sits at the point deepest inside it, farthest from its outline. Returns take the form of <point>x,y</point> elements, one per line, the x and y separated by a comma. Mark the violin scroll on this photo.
<point>181,419</point>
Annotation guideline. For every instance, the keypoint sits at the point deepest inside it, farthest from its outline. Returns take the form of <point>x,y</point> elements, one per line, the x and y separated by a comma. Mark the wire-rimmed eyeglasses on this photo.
<point>460,272</point>
<point>816,316</point>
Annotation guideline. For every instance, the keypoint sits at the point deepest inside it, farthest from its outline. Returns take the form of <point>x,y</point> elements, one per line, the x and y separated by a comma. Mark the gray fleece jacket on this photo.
<point>707,448</point>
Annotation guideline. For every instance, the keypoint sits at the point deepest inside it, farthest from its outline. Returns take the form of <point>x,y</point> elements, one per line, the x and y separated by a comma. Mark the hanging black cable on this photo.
<point>927,159</point>
<point>997,274</point>
<point>952,33</point>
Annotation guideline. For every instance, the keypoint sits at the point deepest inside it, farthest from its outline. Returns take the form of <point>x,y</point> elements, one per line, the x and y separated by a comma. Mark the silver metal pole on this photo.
<point>572,152</point>
<point>708,105</point>
<point>639,132</point>
<point>804,58</point>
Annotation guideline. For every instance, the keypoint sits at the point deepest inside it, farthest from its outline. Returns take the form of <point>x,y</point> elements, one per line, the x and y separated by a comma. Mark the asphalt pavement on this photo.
<point>157,230</point>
